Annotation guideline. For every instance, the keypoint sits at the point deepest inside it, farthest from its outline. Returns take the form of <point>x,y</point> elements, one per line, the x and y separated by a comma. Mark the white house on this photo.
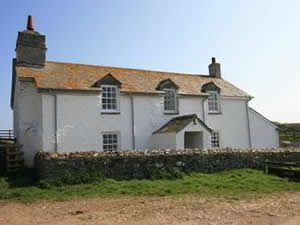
<point>66,107</point>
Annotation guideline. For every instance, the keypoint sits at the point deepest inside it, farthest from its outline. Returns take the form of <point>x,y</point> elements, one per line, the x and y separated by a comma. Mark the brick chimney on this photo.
<point>31,47</point>
<point>214,68</point>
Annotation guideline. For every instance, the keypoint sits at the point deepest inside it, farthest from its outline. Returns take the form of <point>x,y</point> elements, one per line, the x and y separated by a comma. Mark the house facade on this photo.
<point>67,107</point>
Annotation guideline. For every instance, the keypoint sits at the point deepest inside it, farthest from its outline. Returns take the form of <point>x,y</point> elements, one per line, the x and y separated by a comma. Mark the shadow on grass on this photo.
<point>24,178</point>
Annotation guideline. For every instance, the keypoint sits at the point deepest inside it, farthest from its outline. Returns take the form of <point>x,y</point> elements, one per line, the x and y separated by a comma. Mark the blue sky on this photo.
<point>257,42</point>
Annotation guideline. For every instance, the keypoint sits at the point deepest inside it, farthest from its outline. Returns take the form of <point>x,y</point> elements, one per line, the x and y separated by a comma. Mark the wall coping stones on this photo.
<point>157,152</point>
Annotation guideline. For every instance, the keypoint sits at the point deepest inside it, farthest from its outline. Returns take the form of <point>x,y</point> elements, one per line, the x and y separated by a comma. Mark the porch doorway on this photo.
<point>193,139</point>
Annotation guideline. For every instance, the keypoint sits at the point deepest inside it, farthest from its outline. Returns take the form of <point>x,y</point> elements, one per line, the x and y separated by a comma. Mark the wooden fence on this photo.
<point>7,135</point>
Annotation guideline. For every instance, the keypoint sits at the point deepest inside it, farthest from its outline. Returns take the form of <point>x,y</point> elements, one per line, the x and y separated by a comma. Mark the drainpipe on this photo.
<point>132,122</point>
<point>248,123</point>
<point>55,123</point>
<point>203,112</point>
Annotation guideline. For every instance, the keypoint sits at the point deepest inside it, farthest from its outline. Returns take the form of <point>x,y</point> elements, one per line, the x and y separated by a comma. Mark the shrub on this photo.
<point>162,174</point>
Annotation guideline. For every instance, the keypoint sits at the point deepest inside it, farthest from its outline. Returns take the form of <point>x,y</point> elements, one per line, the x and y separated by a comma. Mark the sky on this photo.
<point>256,42</point>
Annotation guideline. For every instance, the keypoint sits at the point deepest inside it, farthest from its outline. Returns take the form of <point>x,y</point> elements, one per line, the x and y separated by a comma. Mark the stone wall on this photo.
<point>141,164</point>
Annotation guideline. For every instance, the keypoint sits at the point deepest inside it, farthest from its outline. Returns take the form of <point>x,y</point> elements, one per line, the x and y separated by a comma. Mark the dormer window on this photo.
<point>170,95</point>
<point>109,98</point>
<point>110,89</point>
<point>170,100</point>
<point>213,102</point>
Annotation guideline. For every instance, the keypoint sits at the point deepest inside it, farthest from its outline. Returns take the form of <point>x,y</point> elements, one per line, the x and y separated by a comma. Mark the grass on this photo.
<point>225,184</point>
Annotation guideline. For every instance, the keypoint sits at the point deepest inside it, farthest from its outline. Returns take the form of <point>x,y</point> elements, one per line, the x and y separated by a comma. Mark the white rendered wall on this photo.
<point>231,123</point>
<point>28,120</point>
<point>164,141</point>
<point>191,105</point>
<point>80,123</point>
<point>149,115</point>
<point>263,133</point>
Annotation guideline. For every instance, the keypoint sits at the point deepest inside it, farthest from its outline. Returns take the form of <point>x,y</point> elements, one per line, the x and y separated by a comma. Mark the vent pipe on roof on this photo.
<point>214,68</point>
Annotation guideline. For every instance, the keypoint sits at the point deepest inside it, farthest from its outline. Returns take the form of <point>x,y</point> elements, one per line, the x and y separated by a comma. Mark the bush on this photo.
<point>162,174</point>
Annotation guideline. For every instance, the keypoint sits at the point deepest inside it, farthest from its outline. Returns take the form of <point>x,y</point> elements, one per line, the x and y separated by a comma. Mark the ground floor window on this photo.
<point>110,141</point>
<point>215,139</point>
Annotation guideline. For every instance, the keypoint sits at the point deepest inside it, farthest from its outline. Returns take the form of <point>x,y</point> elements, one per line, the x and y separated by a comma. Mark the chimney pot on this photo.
<point>30,23</point>
<point>213,60</point>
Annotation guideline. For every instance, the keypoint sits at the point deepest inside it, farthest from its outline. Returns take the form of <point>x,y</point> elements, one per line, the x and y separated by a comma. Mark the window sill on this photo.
<point>214,113</point>
<point>171,113</point>
<point>110,113</point>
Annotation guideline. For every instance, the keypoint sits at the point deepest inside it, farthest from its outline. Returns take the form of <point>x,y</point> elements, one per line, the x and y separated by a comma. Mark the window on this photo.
<point>110,142</point>
<point>109,98</point>
<point>215,139</point>
<point>170,101</point>
<point>213,102</point>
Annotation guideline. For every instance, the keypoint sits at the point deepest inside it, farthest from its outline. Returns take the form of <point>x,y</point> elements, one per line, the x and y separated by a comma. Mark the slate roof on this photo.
<point>71,76</point>
<point>178,123</point>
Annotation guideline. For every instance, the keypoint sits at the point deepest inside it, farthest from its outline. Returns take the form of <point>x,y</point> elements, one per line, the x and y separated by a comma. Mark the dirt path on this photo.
<point>276,209</point>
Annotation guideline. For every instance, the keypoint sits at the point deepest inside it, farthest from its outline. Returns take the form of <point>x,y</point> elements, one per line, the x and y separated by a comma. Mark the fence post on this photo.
<point>266,167</point>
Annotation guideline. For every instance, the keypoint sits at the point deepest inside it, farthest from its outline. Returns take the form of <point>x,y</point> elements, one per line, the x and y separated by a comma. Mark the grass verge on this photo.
<point>225,184</point>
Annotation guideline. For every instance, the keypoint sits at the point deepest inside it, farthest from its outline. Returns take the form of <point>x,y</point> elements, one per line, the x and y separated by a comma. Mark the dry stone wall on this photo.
<point>141,164</point>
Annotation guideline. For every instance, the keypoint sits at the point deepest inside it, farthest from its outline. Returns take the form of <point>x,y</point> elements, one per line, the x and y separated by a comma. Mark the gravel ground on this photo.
<point>272,209</point>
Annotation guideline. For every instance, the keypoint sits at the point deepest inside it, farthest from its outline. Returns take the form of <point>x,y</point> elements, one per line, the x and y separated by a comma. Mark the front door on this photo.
<point>193,139</point>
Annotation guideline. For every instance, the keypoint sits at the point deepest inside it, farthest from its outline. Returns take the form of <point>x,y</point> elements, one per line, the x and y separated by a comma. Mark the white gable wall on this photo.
<point>263,132</point>
<point>28,119</point>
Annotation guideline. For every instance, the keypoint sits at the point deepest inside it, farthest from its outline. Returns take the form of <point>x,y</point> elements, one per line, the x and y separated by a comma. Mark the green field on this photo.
<point>289,131</point>
<point>232,183</point>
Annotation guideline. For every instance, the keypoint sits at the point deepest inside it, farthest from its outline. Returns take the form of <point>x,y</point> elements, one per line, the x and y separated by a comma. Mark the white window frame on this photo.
<point>213,102</point>
<point>175,100</point>
<point>108,140</point>
<point>215,140</point>
<point>116,98</point>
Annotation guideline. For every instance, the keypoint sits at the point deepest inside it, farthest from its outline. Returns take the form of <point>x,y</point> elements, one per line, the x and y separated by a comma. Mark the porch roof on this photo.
<point>178,123</point>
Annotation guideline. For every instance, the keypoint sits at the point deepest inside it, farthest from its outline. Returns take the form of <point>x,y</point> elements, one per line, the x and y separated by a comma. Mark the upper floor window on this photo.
<point>170,96</point>
<point>213,102</point>
<point>110,87</point>
<point>214,91</point>
<point>170,101</point>
<point>109,98</point>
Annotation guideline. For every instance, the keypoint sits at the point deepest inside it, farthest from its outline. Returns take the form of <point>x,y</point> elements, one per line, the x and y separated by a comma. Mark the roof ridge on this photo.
<point>127,68</point>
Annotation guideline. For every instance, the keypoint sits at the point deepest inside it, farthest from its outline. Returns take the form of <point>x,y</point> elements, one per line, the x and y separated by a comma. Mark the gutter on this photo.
<point>132,122</point>
<point>248,123</point>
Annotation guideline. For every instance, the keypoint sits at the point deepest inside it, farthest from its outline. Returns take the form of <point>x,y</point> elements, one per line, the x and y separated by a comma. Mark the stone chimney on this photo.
<point>31,47</point>
<point>214,68</point>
